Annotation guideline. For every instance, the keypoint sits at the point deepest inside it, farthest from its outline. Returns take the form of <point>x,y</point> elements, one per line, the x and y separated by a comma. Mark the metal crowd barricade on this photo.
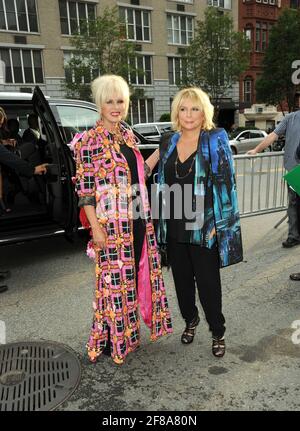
<point>260,185</point>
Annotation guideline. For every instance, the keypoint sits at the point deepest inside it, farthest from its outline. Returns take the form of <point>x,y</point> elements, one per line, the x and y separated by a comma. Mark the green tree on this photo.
<point>275,84</point>
<point>99,47</point>
<point>216,57</point>
<point>166,117</point>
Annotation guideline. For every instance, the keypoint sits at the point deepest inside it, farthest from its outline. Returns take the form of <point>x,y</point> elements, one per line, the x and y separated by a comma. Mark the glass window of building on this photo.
<point>83,75</point>
<point>184,1</point>
<point>73,14</point>
<point>18,15</point>
<point>141,111</point>
<point>224,4</point>
<point>248,33</point>
<point>141,70</point>
<point>248,90</point>
<point>180,29</point>
<point>138,24</point>
<point>176,69</point>
<point>22,65</point>
<point>258,37</point>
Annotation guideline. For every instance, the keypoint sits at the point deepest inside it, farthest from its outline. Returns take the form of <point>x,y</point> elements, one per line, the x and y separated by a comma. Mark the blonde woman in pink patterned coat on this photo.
<point>111,188</point>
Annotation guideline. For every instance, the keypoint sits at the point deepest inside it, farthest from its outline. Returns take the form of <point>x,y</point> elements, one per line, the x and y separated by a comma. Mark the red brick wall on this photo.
<point>251,13</point>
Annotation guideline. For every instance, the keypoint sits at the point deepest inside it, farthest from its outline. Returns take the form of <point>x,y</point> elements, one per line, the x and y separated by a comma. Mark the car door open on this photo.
<point>61,199</point>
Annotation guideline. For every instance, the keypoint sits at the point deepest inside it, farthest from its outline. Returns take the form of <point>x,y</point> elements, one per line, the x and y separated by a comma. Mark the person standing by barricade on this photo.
<point>290,128</point>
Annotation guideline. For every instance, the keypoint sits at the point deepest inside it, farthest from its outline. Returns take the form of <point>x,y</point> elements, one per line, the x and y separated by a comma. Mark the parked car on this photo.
<point>243,141</point>
<point>279,144</point>
<point>44,206</point>
<point>152,131</point>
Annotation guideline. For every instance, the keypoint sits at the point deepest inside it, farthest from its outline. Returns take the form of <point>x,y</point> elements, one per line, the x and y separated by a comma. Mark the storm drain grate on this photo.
<point>37,376</point>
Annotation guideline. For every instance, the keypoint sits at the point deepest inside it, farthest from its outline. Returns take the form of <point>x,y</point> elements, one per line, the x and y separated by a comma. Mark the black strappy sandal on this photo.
<point>188,334</point>
<point>218,347</point>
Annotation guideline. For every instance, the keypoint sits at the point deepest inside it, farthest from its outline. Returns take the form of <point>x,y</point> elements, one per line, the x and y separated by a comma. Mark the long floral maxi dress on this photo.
<point>103,173</point>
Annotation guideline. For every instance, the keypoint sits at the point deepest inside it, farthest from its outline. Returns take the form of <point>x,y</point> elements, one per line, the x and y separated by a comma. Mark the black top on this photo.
<point>4,133</point>
<point>176,227</point>
<point>14,162</point>
<point>139,227</point>
<point>131,160</point>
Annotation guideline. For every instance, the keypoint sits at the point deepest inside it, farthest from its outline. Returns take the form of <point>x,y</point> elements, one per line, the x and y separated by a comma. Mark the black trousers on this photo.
<point>194,265</point>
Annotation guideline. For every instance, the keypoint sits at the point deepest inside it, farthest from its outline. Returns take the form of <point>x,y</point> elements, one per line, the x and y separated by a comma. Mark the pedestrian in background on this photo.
<point>290,128</point>
<point>295,276</point>
<point>110,178</point>
<point>198,155</point>
<point>6,141</point>
<point>22,168</point>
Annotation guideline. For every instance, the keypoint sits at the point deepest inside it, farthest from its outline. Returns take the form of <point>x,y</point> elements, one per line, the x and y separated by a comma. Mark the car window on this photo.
<point>21,114</point>
<point>148,130</point>
<point>245,135</point>
<point>256,135</point>
<point>164,127</point>
<point>233,135</point>
<point>76,118</point>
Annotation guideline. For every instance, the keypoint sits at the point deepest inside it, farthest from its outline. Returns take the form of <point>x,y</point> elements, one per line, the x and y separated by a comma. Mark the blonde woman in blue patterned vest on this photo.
<point>199,221</point>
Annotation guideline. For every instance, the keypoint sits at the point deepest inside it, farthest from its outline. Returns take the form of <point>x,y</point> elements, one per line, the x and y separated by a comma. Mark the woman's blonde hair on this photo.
<point>201,99</point>
<point>3,115</point>
<point>106,86</point>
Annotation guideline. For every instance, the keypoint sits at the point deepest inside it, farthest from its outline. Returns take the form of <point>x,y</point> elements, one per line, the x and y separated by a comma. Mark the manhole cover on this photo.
<point>37,376</point>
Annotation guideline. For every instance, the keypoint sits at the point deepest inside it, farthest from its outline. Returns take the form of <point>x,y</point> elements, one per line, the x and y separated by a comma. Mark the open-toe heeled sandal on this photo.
<point>218,347</point>
<point>188,334</point>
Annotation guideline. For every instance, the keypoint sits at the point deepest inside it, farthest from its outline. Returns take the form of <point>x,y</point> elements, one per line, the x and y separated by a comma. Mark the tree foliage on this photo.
<point>99,47</point>
<point>217,55</point>
<point>275,84</point>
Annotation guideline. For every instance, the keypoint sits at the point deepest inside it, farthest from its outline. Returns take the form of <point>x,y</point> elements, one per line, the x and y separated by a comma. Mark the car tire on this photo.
<point>268,149</point>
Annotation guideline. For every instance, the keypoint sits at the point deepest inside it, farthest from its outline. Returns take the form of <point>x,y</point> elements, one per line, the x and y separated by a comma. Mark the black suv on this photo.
<point>47,205</point>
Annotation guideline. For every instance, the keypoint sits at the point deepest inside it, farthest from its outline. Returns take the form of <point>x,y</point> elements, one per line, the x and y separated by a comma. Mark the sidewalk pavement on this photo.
<point>50,298</point>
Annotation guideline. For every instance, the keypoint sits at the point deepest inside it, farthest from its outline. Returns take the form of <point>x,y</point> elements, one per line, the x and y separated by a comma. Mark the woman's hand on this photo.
<point>99,237</point>
<point>98,233</point>
<point>153,160</point>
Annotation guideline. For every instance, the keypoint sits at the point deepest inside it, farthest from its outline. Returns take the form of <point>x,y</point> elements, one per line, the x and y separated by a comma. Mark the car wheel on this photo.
<point>268,149</point>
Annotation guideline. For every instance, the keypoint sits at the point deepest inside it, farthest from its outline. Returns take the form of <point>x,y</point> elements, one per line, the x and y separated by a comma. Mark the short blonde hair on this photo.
<point>107,86</point>
<point>201,99</point>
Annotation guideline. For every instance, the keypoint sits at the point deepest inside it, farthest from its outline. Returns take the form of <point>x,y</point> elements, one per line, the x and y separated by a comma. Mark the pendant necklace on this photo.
<point>189,170</point>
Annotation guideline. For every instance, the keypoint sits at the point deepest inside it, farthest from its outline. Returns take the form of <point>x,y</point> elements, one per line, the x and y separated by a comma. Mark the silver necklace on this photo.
<point>189,170</point>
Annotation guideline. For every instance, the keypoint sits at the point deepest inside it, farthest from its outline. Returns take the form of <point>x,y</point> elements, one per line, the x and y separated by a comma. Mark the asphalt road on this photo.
<point>50,298</point>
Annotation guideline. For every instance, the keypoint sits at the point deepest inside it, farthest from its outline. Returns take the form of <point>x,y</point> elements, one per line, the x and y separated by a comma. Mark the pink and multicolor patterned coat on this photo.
<point>103,173</point>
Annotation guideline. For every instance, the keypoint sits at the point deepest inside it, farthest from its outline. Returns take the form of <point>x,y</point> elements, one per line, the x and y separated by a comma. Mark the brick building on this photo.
<point>35,44</point>
<point>256,18</point>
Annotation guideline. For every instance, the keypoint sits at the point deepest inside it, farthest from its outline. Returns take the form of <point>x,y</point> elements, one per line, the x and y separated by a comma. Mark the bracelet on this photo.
<point>147,170</point>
